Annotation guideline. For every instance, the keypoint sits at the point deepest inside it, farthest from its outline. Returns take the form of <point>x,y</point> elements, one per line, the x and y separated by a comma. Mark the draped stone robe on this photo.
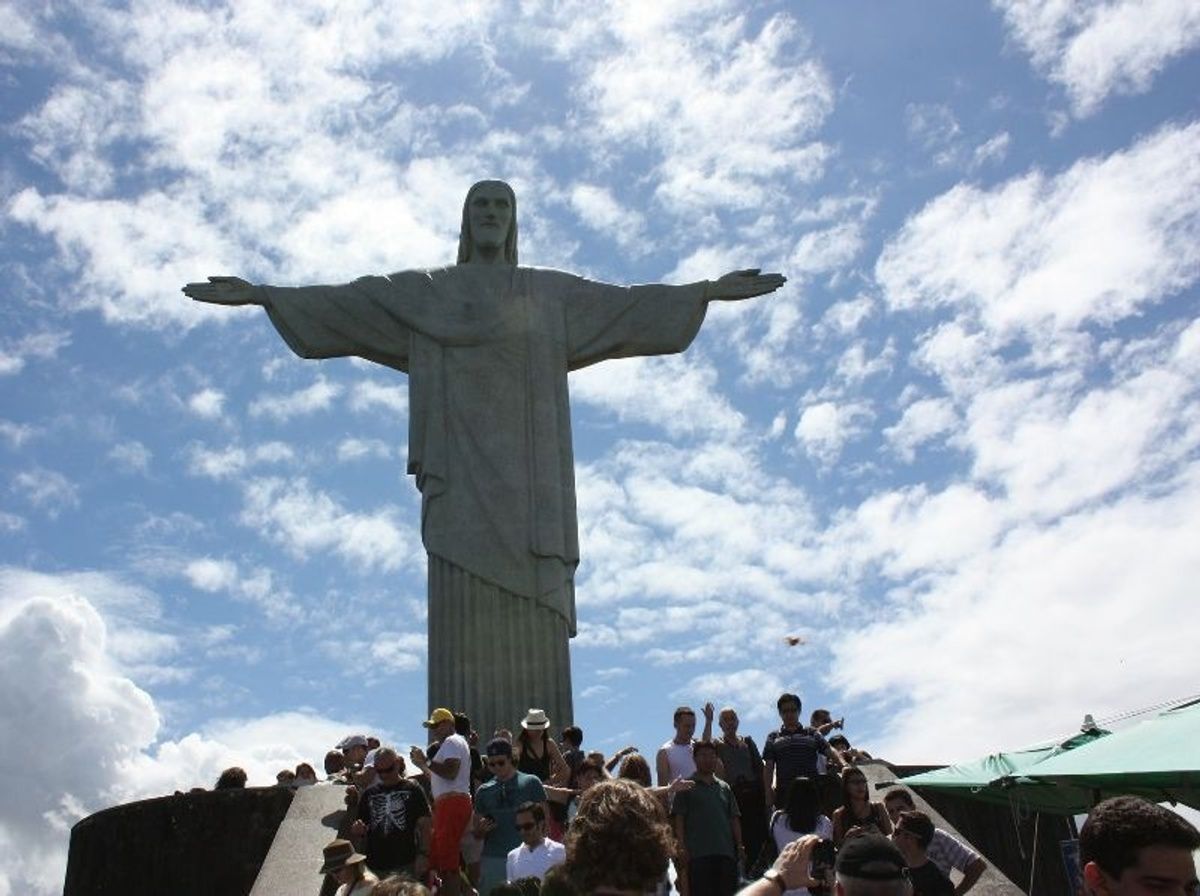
<point>487,349</point>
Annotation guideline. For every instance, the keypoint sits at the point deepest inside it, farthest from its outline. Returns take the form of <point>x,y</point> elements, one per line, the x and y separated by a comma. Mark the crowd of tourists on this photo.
<point>529,815</point>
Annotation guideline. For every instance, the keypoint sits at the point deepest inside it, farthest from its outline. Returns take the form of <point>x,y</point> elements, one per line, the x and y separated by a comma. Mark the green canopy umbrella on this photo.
<point>1158,759</point>
<point>1002,778</point>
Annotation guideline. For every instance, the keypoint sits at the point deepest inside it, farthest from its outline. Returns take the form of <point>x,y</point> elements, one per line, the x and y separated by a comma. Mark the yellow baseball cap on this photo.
<point>438,716</point>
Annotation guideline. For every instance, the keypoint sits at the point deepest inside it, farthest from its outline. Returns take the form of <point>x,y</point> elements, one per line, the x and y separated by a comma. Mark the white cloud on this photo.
<point>47,490</point>
<point>207,403</point>
<point>392,651</point>
<point>58,679</point>
<point>131,253</point>
<point>11,522</point>
<point>922,421</point>
<point>992,150</point>
<point>1098,601</point>
<point>933,127</point>
<point>226,462</point>
<point>727,112</point>
<point>208,574</point>
<point>356,449</point>
<point>41,346</point>
<point>845,317</point>
<point>66,642</point>
<point>16,434</point>
<point>599,211</point>
<point>210,94</point>
<point>825,427</point>
<point>912,531</point>
<point>303,520</point>
<point>367,395</point>
<point>1094,48</point>
<point>132,456</point>
<point>1038,255</point>
<point>854,366</point>
<point>677,393</point>
<point>1052,449</point>
<point>825,250</point>
<point>317,397</point>
<point>750,691</point>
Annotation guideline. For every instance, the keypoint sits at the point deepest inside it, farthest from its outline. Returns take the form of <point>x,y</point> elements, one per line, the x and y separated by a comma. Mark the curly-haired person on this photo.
<point>619,841</point>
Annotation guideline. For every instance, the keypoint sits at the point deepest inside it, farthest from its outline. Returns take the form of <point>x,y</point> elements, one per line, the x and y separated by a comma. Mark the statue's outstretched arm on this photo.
<point>225,291</point>
<point>743,285</point>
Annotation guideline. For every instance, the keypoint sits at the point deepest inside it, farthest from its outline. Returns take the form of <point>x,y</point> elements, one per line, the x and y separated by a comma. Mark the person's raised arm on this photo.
<point>618,756</point>
<point>706,734</point>
<point>225,291</point>
<point>745,284</point>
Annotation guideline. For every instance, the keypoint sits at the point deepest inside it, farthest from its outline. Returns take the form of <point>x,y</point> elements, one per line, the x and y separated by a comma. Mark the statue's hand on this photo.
<point>744,285</point>
<point>223,291</point>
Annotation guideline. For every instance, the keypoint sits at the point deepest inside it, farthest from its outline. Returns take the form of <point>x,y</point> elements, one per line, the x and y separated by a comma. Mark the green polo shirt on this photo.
<point>707,811</point>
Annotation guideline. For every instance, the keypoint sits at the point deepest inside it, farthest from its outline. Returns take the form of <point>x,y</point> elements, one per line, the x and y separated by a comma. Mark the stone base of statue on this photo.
<point>494,654</point>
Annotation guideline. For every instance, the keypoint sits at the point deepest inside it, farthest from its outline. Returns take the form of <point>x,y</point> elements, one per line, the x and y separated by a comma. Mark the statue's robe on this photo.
<point>487,349</point>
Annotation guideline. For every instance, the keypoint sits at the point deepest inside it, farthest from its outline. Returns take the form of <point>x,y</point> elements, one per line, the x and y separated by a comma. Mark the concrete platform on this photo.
<point>316,816</point>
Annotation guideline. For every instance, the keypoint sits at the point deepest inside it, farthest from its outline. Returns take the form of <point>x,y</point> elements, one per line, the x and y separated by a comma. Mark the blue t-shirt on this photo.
<point>499,800</point>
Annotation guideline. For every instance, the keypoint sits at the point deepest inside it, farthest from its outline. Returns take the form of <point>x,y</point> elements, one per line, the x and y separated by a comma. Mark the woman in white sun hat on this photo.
<point>538,755</point>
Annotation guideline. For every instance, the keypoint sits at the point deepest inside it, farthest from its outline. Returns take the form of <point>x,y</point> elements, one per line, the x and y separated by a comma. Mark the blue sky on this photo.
<point>959,453</point>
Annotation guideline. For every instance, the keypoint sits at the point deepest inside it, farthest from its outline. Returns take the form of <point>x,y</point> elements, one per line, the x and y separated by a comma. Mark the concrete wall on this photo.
<point>190,844</point>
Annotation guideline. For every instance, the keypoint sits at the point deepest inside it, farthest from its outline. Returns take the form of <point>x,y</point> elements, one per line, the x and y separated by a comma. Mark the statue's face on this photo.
<point>490,213</point>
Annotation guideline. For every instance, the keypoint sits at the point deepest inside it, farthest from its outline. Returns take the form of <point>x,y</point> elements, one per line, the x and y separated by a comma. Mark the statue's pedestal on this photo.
<point>265,840</point>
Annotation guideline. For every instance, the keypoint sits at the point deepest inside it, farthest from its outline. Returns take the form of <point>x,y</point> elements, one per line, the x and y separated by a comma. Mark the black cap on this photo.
<point>870,857</point>
<point>498,746</point>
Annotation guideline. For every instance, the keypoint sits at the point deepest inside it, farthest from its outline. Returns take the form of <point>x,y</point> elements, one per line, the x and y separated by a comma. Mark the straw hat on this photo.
<point>535,720</point>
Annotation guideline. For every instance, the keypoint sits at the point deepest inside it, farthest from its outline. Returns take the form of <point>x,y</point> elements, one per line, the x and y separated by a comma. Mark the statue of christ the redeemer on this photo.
<point>487,346</point>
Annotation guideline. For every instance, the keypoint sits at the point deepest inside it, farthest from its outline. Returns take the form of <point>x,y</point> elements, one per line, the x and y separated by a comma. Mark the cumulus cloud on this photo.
<point>207,403</point>
<point>67,645</point>
<point>59,679</point>
<point>209,574</point>
<point>826,426</point>
<point>1094,48</point>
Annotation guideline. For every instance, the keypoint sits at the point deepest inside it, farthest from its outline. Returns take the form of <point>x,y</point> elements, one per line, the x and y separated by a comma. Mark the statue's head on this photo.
<point>489,221</point>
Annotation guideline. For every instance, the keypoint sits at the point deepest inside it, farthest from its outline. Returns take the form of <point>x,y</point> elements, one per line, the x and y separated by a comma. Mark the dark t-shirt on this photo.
<point>795,756</point>
<point>391,812</point>
<point>927,880</point>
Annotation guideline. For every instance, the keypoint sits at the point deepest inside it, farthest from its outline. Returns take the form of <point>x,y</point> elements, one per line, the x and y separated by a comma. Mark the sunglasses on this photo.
<point>498,763</point>
<point>384,771</point>
<point>527,826</point>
